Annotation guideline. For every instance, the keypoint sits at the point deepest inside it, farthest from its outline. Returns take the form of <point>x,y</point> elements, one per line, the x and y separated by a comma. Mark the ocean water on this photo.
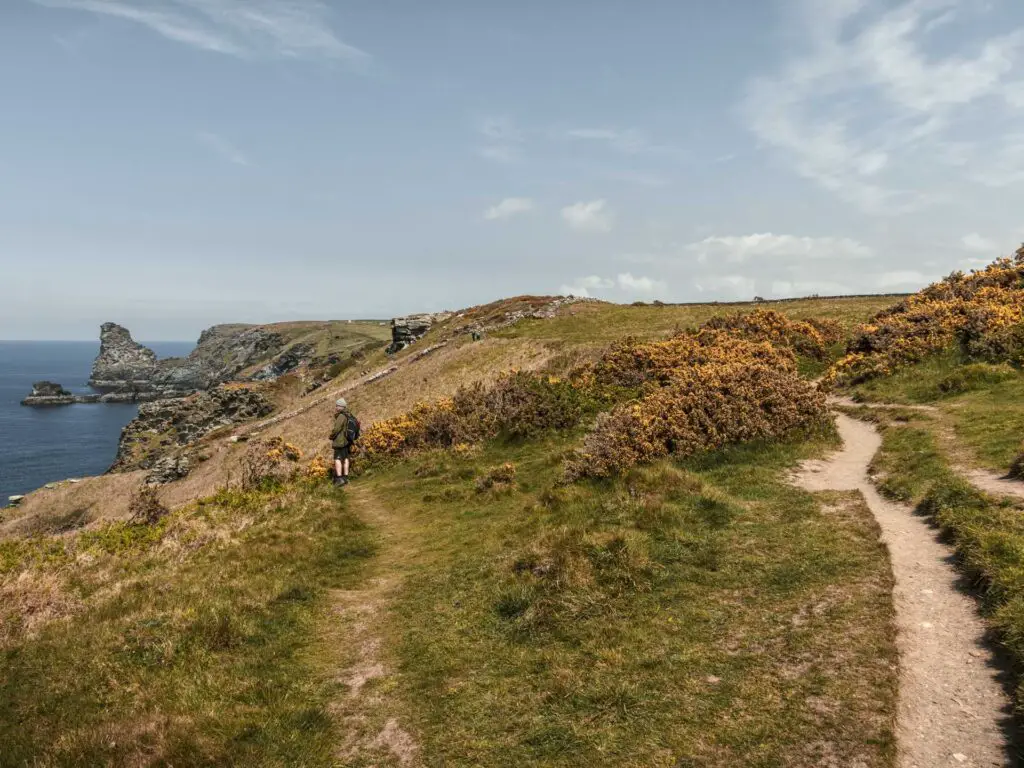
<point>43,445</point>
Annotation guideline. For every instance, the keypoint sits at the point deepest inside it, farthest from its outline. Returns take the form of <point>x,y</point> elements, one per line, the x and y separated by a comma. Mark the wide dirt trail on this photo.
<point>953,709</point>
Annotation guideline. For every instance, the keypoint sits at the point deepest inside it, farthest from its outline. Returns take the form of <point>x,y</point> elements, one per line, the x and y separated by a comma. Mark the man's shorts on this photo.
<point>340,454</point>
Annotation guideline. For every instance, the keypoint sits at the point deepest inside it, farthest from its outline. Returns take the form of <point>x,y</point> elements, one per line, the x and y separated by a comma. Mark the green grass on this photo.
<point>991,423</point>
<point>689,613</point>
<point>909,463</point>
<point>608,322</point>
<point>983,403</point>
<point>191,643</point>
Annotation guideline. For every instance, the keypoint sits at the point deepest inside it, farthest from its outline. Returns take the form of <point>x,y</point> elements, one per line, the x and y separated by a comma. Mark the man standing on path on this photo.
<point>344,434</point>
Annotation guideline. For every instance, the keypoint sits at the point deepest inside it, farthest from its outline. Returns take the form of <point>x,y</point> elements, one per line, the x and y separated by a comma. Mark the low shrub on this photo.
<point>983,311</point>
<point>810,338</point>
<point>145,506</point>
<point>700,408</point>
<point>1017,467</point>
<point>268,462</point>
<point>1001,344</point>
<point>519,405</point>
<point>497,478</point>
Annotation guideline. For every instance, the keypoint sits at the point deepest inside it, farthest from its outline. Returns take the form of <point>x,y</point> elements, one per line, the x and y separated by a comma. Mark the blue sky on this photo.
<point>170,164</point>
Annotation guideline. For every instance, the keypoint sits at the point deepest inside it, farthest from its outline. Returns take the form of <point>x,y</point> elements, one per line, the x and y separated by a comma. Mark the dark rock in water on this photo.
<point>408,330</point>
<point>168,469</point>
<point>287,361</point>
<point>48,393</point>
<point>182,421</point>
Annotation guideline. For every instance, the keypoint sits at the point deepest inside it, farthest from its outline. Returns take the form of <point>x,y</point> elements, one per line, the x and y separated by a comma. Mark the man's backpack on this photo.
<point>352,429</point>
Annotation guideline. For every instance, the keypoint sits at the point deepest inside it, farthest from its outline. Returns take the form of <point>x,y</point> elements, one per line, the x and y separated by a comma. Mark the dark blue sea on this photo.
<point>42,445</point>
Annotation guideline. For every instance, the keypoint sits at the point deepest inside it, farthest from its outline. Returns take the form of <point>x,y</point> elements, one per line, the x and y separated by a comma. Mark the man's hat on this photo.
<point>340,402</point>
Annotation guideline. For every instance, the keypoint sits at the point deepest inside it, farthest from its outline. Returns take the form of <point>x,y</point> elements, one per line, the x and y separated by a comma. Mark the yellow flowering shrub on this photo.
<point>727,391</point>
<point>268,461</point>
<point>319,468</point>
<point>983,311</point>
<point>811,338</point>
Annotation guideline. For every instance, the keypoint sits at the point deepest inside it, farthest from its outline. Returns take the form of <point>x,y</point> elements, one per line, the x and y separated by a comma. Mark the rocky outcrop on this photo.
<point>165,426</point>
<point>130,372</point>
<point>123,363</point>
<point>286,362</point>
<point>168,469</point>
<point>408,330</point>
<point>48,393</point>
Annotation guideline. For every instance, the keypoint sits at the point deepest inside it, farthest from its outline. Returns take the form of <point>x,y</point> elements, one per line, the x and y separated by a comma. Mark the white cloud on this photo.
<point>767,246</point>
<point>904,278</point>
<point>978,244</point>
<point>640,285</point>
<point>509,207</point>
<point>295,29</point>
<point>738,287</point>
<point>592,216</point>
<point>624,285</point>
<point>224,148</point>
<point>587,286</point>
<point>865,101</point>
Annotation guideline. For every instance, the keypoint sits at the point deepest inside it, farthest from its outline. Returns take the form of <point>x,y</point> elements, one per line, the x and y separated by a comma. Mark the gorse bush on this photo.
<point>270,461</point>
<point>982,311</point>
<point>519,405</point>
<point>733,379</point>
<point>719,390</point>
<point>810,338</point>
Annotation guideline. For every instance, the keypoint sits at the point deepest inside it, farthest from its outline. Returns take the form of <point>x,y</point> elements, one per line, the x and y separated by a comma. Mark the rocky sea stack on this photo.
<point>123,363</point>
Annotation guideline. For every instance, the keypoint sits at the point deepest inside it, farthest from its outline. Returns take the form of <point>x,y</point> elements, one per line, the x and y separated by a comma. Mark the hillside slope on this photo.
<point>691,609</point>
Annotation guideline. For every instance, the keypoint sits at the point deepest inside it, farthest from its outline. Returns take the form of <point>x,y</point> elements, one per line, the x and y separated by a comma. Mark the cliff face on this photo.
<point>132,370</point>
<point>156,438</point>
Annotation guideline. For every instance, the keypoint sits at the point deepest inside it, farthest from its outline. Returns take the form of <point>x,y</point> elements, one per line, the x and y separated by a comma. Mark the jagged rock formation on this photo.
<point>123,363</point>
<point>131,371</point>
<point>409,330</point>
<point>48,393</point>
<point>165,426</point>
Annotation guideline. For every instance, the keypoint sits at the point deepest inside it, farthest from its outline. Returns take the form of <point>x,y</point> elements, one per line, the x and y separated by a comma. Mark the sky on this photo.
<point>172,164</point>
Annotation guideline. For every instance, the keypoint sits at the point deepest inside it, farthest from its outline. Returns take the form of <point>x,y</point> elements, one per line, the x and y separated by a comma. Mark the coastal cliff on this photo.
<point>223,351</point>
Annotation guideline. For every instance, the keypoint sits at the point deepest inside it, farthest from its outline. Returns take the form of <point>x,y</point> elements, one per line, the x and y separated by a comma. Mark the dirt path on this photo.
<point>982,479</point>
<point>952,707</point>
<point>368,718</point>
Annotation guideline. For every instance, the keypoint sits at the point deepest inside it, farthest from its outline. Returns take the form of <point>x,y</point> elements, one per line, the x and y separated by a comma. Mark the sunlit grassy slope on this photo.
<point>698,612</point>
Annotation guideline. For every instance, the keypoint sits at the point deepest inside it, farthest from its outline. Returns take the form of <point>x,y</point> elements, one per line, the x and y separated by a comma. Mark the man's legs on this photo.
<point>346,467</point>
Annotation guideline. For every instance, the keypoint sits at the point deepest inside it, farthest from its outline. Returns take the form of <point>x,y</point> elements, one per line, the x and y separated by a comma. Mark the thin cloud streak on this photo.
<point>241,28</point>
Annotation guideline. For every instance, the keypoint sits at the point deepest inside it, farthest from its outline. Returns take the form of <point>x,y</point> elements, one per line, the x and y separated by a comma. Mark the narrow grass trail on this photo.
<point>953,709</point>
<point>369,720</point>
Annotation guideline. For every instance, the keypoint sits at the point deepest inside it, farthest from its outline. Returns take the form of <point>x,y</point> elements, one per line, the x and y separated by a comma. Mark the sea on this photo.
<point>43,445</point>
